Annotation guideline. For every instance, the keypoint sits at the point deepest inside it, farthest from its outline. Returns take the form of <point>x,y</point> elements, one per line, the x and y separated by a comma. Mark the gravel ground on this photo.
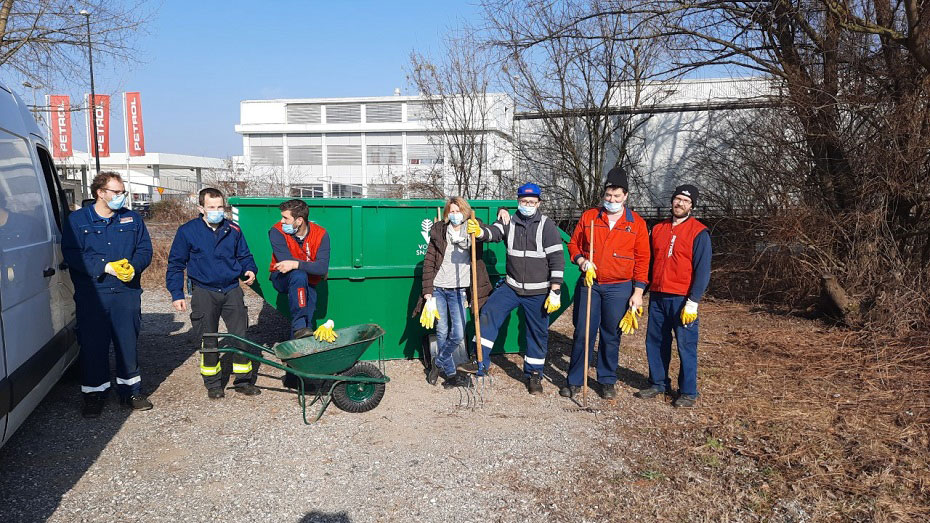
<point>415,457</point>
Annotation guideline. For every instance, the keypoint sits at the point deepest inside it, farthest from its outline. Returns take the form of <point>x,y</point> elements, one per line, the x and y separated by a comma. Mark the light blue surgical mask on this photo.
<point>215,217</point>
<point>288,228</point>
<point>456,218</point>
<point>526,210</point>
<point>613,207</point>
<point>117,201</point>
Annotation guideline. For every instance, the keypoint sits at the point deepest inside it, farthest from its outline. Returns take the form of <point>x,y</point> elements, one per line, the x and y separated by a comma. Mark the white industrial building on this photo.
<point>352,147</point>
<point>381,146</point>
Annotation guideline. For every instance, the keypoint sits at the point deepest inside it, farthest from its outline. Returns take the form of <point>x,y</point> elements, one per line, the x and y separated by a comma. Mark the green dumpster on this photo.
<point>376,262</point>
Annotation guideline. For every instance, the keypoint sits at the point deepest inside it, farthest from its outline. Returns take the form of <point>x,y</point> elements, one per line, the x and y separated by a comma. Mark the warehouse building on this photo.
<point>391,146</point>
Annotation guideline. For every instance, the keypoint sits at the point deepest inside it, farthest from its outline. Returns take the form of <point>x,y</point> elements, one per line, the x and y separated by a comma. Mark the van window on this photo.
<point>22,206</point>
<point>55,194</point>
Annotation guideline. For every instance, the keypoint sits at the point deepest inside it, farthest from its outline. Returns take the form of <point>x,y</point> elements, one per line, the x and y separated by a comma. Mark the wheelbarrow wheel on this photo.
<point>357,396</point>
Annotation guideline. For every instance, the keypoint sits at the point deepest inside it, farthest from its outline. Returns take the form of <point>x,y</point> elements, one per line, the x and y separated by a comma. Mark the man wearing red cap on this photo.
<point>681,255</point>
<point>617,277</point>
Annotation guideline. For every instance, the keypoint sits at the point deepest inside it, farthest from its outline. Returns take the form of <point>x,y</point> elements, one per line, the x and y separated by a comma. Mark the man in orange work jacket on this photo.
<point>681,255</point>
<point>617,277</point>
<point>299,262</point>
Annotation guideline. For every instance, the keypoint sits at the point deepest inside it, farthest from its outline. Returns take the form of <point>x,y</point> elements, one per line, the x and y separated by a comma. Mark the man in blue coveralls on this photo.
<point>107,247</point>
<point>299,262</point>
<point>215,255</point>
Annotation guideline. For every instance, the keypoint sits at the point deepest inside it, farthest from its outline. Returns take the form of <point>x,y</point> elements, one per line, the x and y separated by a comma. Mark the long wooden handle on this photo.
<point>587,323</point>
<point>474,294</point>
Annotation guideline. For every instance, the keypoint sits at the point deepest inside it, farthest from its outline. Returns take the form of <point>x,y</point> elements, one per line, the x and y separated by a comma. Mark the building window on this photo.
<point>304,113</point>
<point>423,111</point>
<point>340,190</point>
<point>307,191</point>
<point>384,154</point>
<point>344,113</point>
<point>383,112</point>
<point>267,150</point>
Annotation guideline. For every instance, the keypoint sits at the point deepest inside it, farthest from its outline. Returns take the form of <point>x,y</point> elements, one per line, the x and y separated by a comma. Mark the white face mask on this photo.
<point>526,210</point>
<point>456,218</point>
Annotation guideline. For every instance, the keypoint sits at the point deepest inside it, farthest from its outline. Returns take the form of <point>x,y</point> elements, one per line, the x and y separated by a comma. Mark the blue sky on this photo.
<point>200,59</point>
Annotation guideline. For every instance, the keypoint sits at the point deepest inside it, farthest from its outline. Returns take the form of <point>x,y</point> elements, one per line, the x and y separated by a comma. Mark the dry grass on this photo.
<point>796,422</point>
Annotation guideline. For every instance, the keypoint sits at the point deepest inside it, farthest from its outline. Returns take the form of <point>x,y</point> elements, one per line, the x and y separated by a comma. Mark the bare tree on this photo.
<point>459,110</point>
<point>570,75</point>
<point>45,41</point>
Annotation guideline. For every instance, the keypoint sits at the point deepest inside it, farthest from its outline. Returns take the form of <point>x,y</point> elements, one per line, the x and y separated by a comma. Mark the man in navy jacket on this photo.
<point>107,246</point>
<point>216,256</point>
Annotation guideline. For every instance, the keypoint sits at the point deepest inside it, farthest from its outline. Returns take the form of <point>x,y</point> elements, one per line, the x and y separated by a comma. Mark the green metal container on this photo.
<point>376,262</point>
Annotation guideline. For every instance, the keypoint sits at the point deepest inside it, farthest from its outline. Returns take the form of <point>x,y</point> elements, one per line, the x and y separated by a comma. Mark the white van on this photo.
<point>37,324</point>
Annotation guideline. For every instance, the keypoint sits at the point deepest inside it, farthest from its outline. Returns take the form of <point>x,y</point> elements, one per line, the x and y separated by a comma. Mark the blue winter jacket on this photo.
<point>214,259</point>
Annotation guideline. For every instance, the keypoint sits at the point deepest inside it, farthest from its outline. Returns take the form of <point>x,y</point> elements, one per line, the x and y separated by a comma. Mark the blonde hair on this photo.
<point>464,208</point>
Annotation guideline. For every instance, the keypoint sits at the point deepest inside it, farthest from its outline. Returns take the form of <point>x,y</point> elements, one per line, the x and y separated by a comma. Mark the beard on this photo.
<point>679,212</point>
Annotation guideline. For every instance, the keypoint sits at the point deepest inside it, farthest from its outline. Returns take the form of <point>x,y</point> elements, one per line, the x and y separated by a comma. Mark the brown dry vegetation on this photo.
<point>797,421</point>
<point>164,220</point>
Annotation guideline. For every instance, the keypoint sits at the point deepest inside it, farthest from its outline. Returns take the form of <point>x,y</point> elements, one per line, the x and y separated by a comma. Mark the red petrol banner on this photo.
<point>100,123</point>
<point>60,126</point>
<point>132,115</point>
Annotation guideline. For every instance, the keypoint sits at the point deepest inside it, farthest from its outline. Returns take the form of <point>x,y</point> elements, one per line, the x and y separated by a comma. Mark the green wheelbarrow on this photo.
<point>332,369</point>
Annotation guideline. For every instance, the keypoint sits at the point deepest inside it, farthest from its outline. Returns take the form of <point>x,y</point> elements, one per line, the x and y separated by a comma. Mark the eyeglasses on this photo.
<point>529,202</point>
<point>118,193</point>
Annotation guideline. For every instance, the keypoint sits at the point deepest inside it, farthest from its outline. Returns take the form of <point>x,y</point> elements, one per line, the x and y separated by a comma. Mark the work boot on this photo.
<point>647,394</point>
<point>569,391</point>
<point>534,384</point>
<point>608,391</point>
<point>302,333</point>
<point>248,389</point>
<point>136,402</point>
<point>93,404</point>
<point>470,367</point>
<point>459,379</point>
<point>685,401</point>
<point>215,393</point>
<point>433,375</point>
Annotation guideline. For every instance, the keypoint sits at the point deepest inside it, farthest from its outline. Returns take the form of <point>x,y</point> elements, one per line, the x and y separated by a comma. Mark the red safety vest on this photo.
<point>672,253</point>
<point>305,253</point>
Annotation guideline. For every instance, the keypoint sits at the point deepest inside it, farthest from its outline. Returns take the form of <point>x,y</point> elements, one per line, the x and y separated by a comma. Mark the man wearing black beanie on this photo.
<point>681,255</point>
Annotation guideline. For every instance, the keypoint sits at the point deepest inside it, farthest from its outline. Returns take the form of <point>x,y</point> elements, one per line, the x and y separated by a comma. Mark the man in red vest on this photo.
<point>617,277</point>
<point>299,262</point>
<point>681,256</point>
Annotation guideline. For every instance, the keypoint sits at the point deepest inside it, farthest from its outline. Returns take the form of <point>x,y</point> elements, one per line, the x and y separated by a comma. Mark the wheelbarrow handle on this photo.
<point>233,336</point>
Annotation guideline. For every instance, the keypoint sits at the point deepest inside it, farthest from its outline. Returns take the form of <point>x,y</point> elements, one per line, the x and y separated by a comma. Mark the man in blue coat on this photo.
<point>215,255</point>
<point>107,246</point>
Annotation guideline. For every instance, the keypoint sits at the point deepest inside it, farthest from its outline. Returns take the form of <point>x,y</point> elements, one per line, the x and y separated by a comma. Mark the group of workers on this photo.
<point>108,247</point>
<point>619,259</point>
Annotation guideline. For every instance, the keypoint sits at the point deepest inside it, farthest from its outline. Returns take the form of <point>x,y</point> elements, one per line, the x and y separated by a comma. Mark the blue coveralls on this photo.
<point>301,295</point>
<point>665,318</point>
<point>609,302</point>
<point>108,310</point>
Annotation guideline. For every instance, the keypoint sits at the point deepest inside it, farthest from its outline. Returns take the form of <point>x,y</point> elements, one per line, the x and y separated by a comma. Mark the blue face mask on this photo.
<point>288,228</point>
<point>456,218</point>
<point>117,201</point>
<point>215,217</point>
<point>526,210</point>
<point>613,207</point>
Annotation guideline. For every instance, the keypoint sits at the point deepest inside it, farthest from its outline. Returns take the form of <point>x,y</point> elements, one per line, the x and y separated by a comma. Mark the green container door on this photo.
<point>376,262</point>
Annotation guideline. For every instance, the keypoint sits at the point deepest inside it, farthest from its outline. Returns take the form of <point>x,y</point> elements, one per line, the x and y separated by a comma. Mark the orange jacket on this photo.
<point>620,254</point>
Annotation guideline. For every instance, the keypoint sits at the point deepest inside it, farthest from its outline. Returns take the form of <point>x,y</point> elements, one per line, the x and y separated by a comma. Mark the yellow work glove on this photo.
<point>590,272</point>
<point>630,323</point>
<point>553,302</point>
<point>473,227</point>
<point>430,313</point>
<point>325,332</point>
<point>689,313</point>
<point>122,269</point>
